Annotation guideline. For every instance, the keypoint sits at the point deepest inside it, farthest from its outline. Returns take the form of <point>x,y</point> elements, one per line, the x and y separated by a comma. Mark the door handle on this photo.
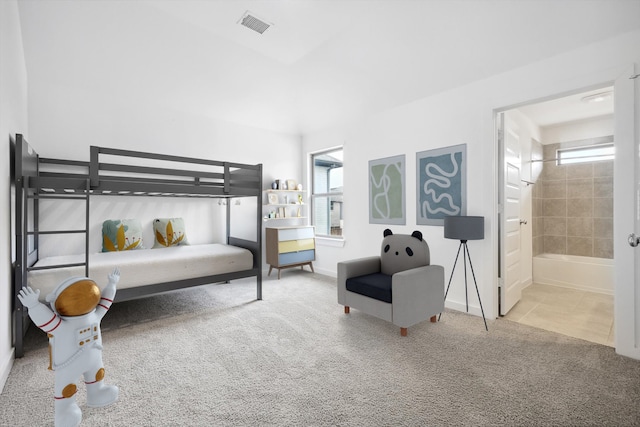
<point>633,240</point>
<point>523,221</point>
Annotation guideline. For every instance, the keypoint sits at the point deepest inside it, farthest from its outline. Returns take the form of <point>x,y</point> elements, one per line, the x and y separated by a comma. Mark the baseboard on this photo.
<point>473,309</point>
<point>325,272</point>
<point>5,368</point>
<point>561,284</point>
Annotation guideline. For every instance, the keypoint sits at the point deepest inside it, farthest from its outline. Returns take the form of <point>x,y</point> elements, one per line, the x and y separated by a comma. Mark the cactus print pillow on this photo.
<point>169,232</point>
<point>121,235</point>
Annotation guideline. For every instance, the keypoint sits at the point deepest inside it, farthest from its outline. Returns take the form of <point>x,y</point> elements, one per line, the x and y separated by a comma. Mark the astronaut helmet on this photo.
<point>75,296</point>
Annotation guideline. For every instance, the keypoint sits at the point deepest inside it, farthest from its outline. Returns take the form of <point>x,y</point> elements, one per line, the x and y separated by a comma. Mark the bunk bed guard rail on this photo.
<point>204,178</point>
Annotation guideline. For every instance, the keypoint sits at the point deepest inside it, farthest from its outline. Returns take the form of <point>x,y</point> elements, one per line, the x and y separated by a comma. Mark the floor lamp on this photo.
<point>464,228</point>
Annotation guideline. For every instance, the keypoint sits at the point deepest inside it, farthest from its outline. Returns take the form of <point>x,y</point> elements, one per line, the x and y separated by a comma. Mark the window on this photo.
<point>593,153</point>
<point>326,193</point>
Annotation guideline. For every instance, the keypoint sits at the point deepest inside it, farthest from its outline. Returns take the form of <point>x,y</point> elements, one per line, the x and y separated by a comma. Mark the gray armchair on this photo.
<point>399,286</point>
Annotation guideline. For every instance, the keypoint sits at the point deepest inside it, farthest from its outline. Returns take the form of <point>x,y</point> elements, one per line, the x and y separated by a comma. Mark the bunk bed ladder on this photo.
<point>36,232</point>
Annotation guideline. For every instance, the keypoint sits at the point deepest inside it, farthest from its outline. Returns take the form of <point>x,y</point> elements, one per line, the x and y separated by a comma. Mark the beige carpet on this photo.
<point>213,356</point>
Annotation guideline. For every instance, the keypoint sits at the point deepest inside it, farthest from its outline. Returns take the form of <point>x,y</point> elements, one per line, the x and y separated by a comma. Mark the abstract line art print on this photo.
<point>441,180</point>
<point>386,190</point>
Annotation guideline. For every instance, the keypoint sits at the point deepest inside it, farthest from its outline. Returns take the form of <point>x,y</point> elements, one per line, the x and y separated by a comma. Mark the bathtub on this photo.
<point>577,272</point>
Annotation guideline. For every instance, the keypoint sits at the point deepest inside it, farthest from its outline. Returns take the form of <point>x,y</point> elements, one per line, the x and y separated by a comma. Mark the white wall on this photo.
<point>13,119</point>
<point>462,115</point>
<point>66,121</point>
<point>578,130</point>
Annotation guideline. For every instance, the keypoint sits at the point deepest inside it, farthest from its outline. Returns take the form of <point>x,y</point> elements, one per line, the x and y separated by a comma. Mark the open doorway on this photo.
<point>564,278</point>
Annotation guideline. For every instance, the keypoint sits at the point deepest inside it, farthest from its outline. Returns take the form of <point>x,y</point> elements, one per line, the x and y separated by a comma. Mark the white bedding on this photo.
<point>144,266</point>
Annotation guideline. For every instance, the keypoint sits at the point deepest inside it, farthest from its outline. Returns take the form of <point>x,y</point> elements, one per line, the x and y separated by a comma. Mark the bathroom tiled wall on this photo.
<point>573,208</point>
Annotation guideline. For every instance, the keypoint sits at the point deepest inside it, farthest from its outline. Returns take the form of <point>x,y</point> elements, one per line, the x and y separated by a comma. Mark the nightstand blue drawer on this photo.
<point>296,257</point>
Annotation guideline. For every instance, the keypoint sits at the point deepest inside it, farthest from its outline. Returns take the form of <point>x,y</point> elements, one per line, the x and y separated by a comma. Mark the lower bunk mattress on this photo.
<point>144,266</point>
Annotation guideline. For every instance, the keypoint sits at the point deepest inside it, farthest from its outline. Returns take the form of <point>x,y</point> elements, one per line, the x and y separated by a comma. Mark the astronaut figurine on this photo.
<point>75,341</point>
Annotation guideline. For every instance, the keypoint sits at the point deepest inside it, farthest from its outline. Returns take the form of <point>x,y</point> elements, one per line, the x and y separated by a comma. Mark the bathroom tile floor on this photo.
<point>572,312</point>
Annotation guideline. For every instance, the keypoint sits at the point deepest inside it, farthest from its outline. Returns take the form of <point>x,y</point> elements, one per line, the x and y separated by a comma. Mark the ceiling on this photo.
<point>322,63</point>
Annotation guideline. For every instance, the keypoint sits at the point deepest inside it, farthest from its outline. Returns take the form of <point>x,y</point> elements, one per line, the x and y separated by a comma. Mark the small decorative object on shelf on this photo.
<point>284,205</point>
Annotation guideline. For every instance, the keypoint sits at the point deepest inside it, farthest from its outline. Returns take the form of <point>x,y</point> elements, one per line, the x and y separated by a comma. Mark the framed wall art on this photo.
<point>386,190</point>
<point>441,180</point>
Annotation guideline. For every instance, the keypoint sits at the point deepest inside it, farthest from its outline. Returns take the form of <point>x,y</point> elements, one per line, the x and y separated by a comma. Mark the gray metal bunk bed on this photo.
<point>39,178</point>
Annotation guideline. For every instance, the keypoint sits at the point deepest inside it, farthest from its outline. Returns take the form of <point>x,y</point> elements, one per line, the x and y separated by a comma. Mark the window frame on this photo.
<point>587,158</point>
<point>313,195</point>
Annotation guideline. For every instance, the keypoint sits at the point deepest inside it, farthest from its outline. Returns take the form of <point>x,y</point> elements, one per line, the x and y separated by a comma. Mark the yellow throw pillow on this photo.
<point>169,232</point>
<point>121,235</point>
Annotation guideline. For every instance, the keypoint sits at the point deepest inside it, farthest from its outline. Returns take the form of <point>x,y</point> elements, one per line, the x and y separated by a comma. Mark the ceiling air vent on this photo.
<point>252,22</point>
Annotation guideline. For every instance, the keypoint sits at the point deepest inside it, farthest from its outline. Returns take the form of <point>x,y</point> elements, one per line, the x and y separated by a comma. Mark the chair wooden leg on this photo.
<point>433,319</point>
<point>346,309</point>
<point>403,332</point>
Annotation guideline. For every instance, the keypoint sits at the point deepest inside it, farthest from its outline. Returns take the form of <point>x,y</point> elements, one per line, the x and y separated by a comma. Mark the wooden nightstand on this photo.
<point>289,247</point>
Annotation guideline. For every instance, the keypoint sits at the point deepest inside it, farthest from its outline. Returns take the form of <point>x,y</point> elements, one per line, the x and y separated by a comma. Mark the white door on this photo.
<point>510,286</point>
<point>626,196</point>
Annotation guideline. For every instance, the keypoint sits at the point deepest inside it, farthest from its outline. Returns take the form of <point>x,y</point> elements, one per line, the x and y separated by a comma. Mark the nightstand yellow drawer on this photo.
<point>296,245</point>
